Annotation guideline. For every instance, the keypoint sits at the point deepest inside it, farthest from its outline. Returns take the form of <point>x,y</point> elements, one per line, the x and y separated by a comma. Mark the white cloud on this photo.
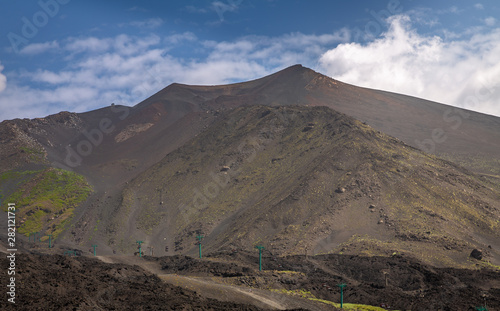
<point>455,10</point>
<point>227,7</point>
<point>51,77</point>
<point>453,71</point>
<point>127,69</point>
<point>220,7</point>
<point>178,38</point>
<point>479,6</point>
<point>3,79</point>
<point>276,52</point>
<point>127,45</point>
<point>90,44</point>
<point>121,44</point>
<point>37,48</point>
<point>490,21</point>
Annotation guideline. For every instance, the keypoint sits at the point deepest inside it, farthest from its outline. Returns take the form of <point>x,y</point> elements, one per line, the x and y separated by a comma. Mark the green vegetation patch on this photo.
<point>45,199</point>
<point>296,292</point>
<point>35,155</point>
<point>15,176</point>
<point>350,306</point>
<point>308,295</point>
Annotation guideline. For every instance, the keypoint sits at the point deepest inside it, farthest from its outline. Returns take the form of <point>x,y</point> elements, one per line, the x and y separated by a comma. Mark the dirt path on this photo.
<point>133,260</point>
<point>212,288</point>
<point>204,287</point>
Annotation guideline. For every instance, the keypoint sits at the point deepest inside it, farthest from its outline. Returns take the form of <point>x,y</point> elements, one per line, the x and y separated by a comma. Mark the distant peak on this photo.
<point>299,69</point>
<point>295,67</point>
<point>293,70</point>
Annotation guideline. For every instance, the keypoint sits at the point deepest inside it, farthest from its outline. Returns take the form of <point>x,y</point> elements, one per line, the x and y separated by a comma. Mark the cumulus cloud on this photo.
<point>460,72</point>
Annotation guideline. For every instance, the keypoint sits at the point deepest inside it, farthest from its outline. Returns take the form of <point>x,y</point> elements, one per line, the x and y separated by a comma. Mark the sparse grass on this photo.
<point>481,163</point>
<point>350,306</point>
<point>486,264</point>
<point>16,176</point>
<point>35,155</point>
<point>31,150</point>
<point>296,292</point>
<point>308,295</point>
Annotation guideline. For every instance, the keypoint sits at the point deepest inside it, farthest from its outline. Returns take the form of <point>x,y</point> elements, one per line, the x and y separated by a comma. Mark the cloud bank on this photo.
<point>463,72</point>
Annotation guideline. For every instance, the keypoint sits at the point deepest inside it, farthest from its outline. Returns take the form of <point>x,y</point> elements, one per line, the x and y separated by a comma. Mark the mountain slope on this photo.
<point>115,143</point>
<point>212,158</point>
<point>297,179</point>
<point>464,136</point>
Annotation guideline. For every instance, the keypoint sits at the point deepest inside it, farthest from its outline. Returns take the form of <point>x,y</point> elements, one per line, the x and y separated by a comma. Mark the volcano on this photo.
<point>296,160</point>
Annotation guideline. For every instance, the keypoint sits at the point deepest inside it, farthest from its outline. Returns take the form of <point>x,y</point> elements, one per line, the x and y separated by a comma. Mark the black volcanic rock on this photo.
<point>476,254</point>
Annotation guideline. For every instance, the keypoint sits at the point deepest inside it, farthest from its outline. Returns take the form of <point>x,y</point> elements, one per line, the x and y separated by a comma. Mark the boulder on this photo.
<point>476,254</point>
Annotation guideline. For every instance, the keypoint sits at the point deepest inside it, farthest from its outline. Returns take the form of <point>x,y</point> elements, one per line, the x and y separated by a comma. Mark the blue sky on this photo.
<point>77,55</point>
